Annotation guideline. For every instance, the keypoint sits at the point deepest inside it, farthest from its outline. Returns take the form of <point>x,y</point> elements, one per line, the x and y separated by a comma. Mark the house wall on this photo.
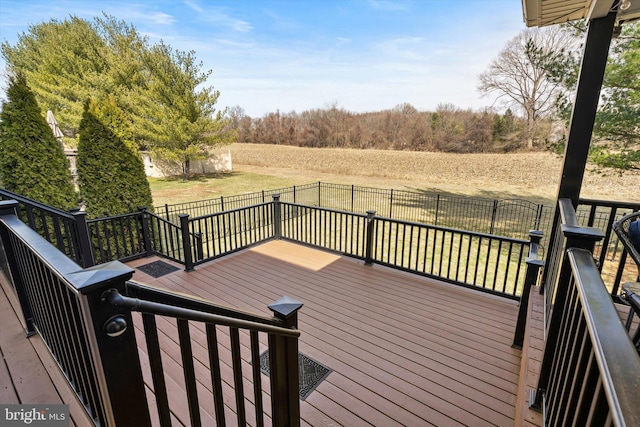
<point>158,168</point>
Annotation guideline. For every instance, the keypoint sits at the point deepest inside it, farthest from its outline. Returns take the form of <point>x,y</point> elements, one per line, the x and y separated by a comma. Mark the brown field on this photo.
<point>533,176</point>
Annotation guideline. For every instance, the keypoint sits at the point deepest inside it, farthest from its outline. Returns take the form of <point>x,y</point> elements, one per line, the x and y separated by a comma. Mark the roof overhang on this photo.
<point>540,13</point>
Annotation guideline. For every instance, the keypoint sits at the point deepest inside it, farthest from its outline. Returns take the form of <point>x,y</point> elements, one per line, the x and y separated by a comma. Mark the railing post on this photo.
<point>283,366</point>
<point>576,237</point>
<point>7,208</point>
<point>111,338</point>
<point>199,249</point>
<point>493,216</point>
<point>531,278</point>
<point>85,253</point>
<point>146,235</point>
<point>368,259</point>
<point>186,242</point>
<point>277,217</point>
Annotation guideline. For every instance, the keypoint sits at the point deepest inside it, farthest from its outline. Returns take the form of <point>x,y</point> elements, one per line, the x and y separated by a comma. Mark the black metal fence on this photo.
<point>85,318</point>
<point>512,218</point>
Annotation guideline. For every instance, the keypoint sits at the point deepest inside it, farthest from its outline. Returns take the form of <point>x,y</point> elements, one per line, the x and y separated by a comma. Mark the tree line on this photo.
<point>447,129</point>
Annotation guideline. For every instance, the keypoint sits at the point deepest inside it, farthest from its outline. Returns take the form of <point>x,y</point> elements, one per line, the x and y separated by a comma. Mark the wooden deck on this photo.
<point>404,350</point>
<point>28,372</point>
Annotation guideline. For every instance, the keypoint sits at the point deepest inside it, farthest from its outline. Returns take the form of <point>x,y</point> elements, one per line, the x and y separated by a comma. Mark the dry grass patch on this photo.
<point>532,176</point>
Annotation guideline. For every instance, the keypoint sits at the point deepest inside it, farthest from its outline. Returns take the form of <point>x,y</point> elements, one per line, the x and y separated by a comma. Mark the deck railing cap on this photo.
<point>87,279</point>
<point>285,307</point>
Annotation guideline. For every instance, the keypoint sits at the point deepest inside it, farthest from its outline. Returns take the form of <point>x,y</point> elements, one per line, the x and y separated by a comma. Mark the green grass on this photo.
<point>176,190</point>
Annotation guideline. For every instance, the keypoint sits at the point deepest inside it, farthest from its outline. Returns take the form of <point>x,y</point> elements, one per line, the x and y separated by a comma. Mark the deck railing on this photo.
<point>493,264</point>
<point>590,371</point>
<point>85,318</point>
<point>511,218</point>
<point>66,231</point>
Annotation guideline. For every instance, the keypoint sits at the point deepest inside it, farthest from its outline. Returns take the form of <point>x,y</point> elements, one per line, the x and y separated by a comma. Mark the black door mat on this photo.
<point>311,372</point>
<point>157,268</point>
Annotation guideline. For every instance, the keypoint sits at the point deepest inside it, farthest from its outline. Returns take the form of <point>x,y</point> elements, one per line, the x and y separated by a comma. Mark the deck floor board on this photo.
<point>404,349</point>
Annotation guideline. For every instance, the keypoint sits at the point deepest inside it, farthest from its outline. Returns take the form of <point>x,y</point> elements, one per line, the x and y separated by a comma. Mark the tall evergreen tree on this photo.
<point>110,170</point>
<point>32,162</point>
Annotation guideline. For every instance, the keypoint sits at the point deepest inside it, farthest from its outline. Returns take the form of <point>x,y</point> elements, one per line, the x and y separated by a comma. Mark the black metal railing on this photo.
<point>590,371</point>
<point>59,301</point>
<point>213,342</point>
<point>532,276</point>
<point>493,264</point>
<point>85,318</point>
<point>65,230</point>
<point>118,237</point>
<point>613,263</point>
<point>335,230</point>
<point>593,371</point>
<point>212,236</point>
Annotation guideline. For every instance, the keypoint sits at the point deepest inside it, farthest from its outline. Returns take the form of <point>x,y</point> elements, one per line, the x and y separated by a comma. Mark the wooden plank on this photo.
<point>403,348</point>
<point>32,372</point>
<point>30,380</point>
<point>8,393</point>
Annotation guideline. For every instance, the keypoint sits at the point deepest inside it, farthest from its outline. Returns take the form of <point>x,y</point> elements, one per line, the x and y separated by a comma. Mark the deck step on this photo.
<point>531,359</point>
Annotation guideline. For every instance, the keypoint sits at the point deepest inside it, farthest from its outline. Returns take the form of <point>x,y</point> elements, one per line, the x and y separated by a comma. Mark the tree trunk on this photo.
<point>187,169</point>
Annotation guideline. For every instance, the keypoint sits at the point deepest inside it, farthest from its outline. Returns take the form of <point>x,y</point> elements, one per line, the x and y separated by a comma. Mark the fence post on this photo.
<point>531,278</point>
<point>84,242</point>
<point>146,235</point>
<point>437,209</point>
<point>391,204</point>
<point>186,242</point>
<point>8,208</point>
<point>277,217</point>
<point>283,366</point>
<point>111,338</point>
<point>166,211</point>
<point>368,259</point>
<point>493,216</point>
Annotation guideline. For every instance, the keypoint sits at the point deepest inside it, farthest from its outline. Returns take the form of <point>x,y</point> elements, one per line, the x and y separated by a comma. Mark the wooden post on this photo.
<point>531,278</point>
<point>594,60</point>
<point>277,217</point>
<point>186,242</point>
<point>368,258</point>
<point>85,251</point>
<point>283,366</point>
<point>111,338</point>
<point>146,235</point>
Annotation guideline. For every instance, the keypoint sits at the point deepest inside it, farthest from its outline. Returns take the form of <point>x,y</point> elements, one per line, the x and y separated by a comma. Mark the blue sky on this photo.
<point>295,55</point>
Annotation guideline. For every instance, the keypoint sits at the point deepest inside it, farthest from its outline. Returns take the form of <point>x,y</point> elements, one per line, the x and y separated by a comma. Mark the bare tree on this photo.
<point>517,77</point>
